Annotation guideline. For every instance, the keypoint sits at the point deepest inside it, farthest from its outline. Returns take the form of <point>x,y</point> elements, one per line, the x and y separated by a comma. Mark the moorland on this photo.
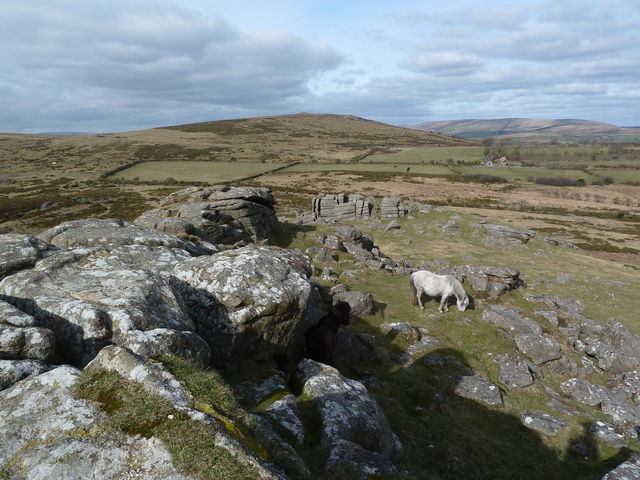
<point>587,194</point>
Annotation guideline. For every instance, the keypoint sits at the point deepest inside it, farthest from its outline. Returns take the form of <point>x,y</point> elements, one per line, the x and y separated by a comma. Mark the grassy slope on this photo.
<point>458,438</point>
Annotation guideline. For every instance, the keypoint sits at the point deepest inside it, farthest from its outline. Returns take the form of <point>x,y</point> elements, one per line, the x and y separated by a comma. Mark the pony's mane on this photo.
<point>458,289</point>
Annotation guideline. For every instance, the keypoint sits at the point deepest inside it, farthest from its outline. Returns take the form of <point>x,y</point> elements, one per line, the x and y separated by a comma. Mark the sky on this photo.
<point>120,65</point>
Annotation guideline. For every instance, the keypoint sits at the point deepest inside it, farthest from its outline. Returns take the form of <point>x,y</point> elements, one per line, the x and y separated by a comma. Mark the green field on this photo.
<point>431,154</point>
<point>370,167</point>
<point>192,171</point>
<point>512,173</point>
<point>619,175</point>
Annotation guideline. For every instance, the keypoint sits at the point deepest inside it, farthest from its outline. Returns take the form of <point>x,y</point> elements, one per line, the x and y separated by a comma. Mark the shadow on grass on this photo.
<point>286,233</point>
<point>449,437</point>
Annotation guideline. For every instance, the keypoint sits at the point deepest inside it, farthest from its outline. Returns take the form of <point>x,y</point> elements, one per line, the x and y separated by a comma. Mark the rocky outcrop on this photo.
<point>145,291</point>
<point>393,207</point>
<point>47,432</point>
<point>342,208</point>
<point>216,215</point>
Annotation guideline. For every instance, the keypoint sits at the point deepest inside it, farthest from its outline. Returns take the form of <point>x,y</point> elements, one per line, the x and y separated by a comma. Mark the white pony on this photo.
<point>436,285</point>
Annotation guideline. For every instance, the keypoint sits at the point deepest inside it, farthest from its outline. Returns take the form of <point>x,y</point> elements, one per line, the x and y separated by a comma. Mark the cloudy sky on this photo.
<point>117,65</point>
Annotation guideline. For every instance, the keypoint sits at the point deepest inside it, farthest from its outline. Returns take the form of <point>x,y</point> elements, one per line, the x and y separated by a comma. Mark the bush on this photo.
<point>484,178</point>
<point>558,181</point>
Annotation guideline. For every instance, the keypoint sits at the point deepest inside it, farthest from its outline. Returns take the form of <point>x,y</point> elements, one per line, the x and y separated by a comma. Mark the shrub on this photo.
<point>484,178</point>
<point>558,181</point>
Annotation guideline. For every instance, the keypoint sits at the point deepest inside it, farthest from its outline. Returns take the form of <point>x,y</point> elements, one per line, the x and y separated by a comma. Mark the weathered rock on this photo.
<point>393,207</point>
<point>511,320</point>
<point>361,303</point>
<point>623,413</point>
<point>153,376</point>
<point>10,315</point>
<point>342,208</point>
<point>608,433</point>
<point>477,388</point>
<point>12,371</point>
<point>508,234</point>
<point>20,251</point>
<point>324,255</point>
<point>355,347</point>
<point>542,422</point>
<point>514,371</point>
<point>347,410</point>
<point>222,214</point>
<point>361,463</point>
<point>20,343</point>
<point>284,412</point>
<point>587,393</point>
<point>254,392</point>
<point>493,281</point>
<point>90,297</point>
<point>615,347</point>
<point>257,300</point>
<point>556,242</point>
<point>47,432</point>
<point>573,307</point>
<point>541,349</point>
<point>97,232</point>
<point>629,470</point>
<point>401,329</point>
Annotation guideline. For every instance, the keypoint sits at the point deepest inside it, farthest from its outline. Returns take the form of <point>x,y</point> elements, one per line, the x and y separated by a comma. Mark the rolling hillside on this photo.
<point>534,130</point>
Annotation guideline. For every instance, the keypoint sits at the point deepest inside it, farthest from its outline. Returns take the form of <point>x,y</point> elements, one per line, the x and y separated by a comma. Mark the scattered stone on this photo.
<point>629,470</point>
<point>541,349</point>
<point>542,422</point>
<point>477,388</point>
<point>586,393</point>
<point>393,225</point>
<point>511,320</point>
<point>324,255</point>
<point>573,307</point>
<point>608,433</point>
<point>514,371</point>
<point>556,242</point>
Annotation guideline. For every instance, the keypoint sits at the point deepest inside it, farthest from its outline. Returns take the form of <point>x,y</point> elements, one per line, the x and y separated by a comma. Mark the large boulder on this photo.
<point>347,411</point>
<point>511,320</point>
<point>258,298</point>
<point>90,297</point>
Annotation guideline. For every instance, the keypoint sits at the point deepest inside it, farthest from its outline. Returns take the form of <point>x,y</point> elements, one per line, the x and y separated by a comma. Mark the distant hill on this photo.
<point>534,130</point>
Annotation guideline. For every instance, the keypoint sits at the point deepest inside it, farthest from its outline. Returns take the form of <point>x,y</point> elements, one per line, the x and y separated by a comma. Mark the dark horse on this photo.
<point>321,339</point>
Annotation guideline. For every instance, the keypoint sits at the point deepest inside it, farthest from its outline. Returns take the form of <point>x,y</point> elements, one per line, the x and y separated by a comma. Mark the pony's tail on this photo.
<point>413,293</point>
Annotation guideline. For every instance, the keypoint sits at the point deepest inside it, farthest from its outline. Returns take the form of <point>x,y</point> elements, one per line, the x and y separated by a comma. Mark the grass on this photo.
<point>210,172</point>
<point>458,438</point>
<point>513,173</point>
<point>619,175</point>
<point>431,154</point>
<point>371,168</point>
<point>134,411</point>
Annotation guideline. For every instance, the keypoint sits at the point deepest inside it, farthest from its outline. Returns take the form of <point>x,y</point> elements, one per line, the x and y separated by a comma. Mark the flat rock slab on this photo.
<point>608,433</point>
<point>583,392</point>
<point>542,422</point>
<point>539,348</point>
<point>510,319</point>
<point>514,370</point>
<point>479,389</point>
